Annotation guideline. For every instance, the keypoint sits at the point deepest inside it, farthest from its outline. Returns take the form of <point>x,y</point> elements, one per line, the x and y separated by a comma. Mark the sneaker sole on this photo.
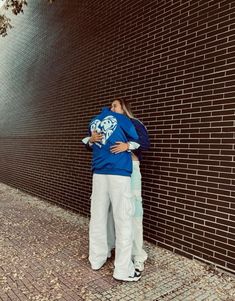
<point>139,270</point>
<point>130,279</point>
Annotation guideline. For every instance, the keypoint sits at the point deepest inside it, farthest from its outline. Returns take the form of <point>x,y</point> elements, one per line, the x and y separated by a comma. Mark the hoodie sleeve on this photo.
<point>142,132</point>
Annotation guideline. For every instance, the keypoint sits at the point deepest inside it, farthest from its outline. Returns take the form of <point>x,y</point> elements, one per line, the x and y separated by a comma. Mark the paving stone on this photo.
<point>44,257</point>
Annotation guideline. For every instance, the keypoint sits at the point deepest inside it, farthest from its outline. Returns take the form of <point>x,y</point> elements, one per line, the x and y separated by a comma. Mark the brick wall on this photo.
<point>175,62</point>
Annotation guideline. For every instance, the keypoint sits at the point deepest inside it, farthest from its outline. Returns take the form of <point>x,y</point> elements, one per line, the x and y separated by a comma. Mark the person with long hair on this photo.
<point>139,255</point>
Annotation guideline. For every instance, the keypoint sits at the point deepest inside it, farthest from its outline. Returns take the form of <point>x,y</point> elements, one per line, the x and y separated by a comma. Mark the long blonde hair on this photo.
<point>126,107</point>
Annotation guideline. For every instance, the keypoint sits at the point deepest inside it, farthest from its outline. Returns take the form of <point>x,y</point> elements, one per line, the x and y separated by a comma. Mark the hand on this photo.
<point>95,137</point>
<point>119,147</point>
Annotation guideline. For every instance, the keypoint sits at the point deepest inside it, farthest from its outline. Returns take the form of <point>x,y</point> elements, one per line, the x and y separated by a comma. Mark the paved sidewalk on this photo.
<point>43,257</point>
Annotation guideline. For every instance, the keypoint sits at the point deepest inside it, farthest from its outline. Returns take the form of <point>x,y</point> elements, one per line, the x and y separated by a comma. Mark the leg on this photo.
<point>98,248</point>
<point>110,231</point>
<point>120,196</point>
<point>138,253</point>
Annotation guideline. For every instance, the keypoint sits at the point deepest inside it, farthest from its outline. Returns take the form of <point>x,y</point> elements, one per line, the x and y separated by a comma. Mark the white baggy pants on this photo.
<point>116,190</point>
<point>138,253</point>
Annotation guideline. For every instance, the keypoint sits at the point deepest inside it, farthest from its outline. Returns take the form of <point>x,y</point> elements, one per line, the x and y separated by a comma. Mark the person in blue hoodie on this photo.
<point>111,185</point>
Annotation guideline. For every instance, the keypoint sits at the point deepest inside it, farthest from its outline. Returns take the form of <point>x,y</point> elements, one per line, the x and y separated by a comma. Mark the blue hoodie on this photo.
<point>114,127</point>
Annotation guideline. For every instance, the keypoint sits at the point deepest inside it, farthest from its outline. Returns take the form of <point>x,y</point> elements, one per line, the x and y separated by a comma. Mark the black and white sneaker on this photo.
<point>135,277</point>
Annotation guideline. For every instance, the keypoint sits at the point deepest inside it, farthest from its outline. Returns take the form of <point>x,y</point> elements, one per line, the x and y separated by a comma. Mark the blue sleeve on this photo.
<point>142,132</point>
